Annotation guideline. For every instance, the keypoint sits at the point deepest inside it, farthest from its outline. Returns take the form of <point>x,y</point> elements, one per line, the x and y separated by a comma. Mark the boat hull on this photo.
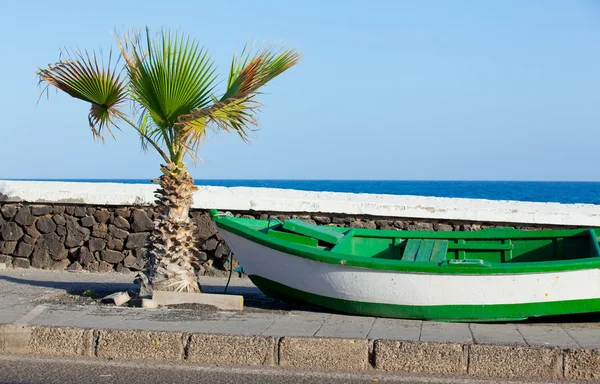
<point>449,297</point>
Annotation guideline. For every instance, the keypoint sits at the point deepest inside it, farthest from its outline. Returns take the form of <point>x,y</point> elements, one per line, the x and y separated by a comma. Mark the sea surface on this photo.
<point>539,191</point>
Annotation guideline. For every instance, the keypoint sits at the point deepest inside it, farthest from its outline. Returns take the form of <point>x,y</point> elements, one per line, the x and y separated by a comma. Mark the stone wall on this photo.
<point>114,238</point>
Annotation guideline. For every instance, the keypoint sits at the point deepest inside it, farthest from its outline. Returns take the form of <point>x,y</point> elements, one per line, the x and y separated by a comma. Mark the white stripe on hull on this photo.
<point>417,289</point>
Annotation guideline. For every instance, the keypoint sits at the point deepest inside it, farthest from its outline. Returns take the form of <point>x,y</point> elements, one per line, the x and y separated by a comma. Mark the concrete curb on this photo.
<point>334,354</point>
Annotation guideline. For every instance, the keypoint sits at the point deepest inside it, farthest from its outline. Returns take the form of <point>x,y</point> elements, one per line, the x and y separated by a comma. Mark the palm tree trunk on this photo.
<point>173,261</point>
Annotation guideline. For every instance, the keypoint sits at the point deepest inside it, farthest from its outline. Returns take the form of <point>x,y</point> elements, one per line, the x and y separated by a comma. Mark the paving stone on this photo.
<point>232,350</point>
<point>306,324</point>
<point>395,329</point>
<point>545,336</point>
<point>204,325</point>
<point>585,337</point>
<point>515,362</point>
<point>420,357</point>
<point>506,334</point>
<point>324,353</point>
<point>446,332</point>
<point>344,326</point>
<point>247,323</point>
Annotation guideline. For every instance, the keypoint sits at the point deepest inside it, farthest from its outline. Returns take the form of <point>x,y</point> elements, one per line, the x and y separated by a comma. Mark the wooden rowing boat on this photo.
<point>489,275</point>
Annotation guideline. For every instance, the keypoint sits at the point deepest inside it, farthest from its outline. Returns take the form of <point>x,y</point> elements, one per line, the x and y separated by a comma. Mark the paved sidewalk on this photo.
<point>55,299</point>
<point>22,291</point>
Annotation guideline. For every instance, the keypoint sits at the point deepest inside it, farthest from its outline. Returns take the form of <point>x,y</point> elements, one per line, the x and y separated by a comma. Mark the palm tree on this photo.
<point>169,82</point>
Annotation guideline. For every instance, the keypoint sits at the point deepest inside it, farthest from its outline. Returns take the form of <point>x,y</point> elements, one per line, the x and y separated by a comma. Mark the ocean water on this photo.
<point>538,191</point>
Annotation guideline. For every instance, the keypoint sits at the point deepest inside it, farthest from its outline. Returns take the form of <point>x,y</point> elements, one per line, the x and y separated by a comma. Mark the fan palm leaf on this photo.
<point>235,110</point>
<point>170,76</point>
<point>81,76</point>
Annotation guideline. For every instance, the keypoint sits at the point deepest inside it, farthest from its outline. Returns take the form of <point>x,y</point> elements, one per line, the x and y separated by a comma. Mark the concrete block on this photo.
<point>120,344</point>
<point>420,357</point>
<point>117,298</point>
<point>225,302</point>
<point>56,341</point>
<point>59,341</point>
<point>14,338</point>
<point>231,350</point>
<point>515,362</point>
<point>323,353</point>
<point>582,364</point>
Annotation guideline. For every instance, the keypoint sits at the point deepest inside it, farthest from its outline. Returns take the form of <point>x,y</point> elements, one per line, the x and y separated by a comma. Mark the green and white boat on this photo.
<point>488,275</point>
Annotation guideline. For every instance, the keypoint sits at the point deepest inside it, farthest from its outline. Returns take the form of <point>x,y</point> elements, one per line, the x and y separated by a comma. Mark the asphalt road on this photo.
<point>33,370</point>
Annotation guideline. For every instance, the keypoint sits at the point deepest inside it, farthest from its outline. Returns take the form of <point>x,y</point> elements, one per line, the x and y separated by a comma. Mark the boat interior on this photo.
<point>491,245</point>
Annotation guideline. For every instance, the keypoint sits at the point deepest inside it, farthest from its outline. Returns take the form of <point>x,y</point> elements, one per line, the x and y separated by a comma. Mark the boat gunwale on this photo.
<point>236,226</point>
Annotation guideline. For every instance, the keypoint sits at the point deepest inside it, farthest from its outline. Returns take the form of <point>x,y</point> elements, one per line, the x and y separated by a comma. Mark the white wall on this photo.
<point>281,200</point>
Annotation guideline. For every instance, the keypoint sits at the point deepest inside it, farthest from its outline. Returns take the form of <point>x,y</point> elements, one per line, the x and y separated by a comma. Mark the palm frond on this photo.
<point>235,110</point>
<point>81,76</point>
<point>171,75</point>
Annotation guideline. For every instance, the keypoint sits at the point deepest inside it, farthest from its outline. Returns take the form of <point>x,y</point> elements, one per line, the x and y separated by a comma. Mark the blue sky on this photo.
<point>419,90</point>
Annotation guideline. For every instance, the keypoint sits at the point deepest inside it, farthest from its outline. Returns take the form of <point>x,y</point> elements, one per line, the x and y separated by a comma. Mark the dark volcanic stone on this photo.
<point>100,230</point>
<point>58,209</point>
<point>76,234</point>
<point>102,215</point>
<point>33,232</point>
<point>87,221</point>
<point>21,263</point>
<point>45,224</point>
<point>51,246</point>
<point>116,232</point>
<point>121,222</point>
<point>61,230</point>
<point>113,257</point>
<point>137,240</point>
<point>115,244</point>
<point>79,211</point>
<point>9,210</point>
<point>210,245</point>
<point>96,244</point>
<point>7,247</point>
<point>84,256</point>
<point>39,210</point>
<point>24,249</point>
<point>59,219</point>
<point>221,251</point>
<point>202,256</point>
<point>133,262</point>
<point>6,259</point>
<point>24,216</point>
<point>28,239</point>
<point>122,212</point>
<point>205,227</point>
<point>322,219</point>
<point>10,231</point>
<point>70,210</point>
<point>140,222</point>
<point>60,265</point>
<point>105,267</point>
